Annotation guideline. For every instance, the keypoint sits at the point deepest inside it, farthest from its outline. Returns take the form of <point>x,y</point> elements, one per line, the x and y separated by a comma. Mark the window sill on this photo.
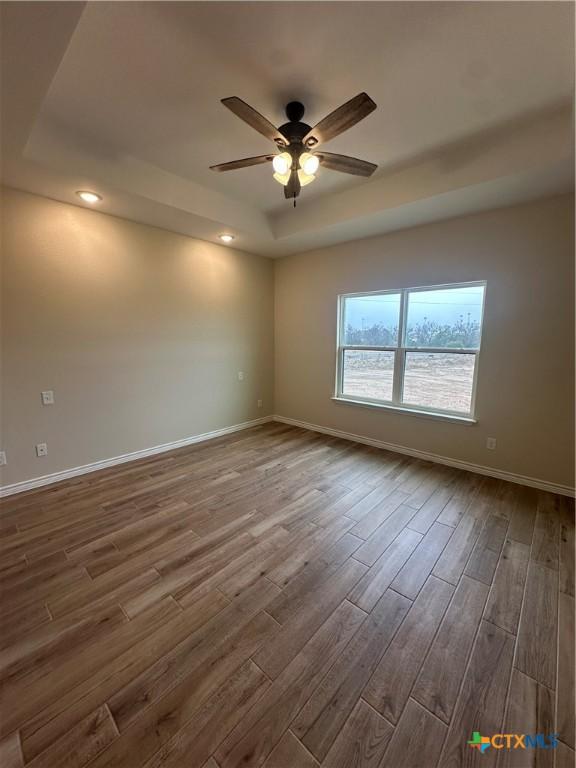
<point>435,415</point>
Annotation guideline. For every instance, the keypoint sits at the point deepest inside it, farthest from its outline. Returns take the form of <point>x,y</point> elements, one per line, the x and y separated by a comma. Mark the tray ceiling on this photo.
<point>124,98</point>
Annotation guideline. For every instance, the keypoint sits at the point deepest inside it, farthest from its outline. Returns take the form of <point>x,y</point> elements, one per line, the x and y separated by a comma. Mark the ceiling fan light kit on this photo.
<point>281,163</point>
<point>309,163</point>
<point>295,165</point>
<point>303,163</point>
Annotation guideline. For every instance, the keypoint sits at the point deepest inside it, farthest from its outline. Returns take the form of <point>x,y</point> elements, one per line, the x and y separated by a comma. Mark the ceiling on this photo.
<point>474,110</point>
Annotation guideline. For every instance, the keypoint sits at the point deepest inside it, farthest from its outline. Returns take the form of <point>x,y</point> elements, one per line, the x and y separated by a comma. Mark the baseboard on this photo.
<point>66,474</point>
<point>533,482</point>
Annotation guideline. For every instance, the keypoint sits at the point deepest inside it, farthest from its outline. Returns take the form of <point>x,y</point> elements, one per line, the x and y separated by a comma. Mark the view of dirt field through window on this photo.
<point>434,380</point>
<point>432,335</point>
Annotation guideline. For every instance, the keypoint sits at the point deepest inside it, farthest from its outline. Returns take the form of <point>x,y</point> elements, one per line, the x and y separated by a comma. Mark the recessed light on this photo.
<point>226,238</point>
<point>89,197</point>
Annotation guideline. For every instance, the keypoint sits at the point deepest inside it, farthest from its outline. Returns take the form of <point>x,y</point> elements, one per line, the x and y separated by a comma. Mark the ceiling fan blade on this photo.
<point>244,163</point>
<point>346,164</point>
<point>254,119</point>
<point>340,120</point>
<point>292,189</point>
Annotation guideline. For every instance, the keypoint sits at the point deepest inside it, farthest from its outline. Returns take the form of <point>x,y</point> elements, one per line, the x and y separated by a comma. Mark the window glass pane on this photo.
<point>439,380</point>
<point>372,320</point>
<point>447,317</point>
<point>368,374</point>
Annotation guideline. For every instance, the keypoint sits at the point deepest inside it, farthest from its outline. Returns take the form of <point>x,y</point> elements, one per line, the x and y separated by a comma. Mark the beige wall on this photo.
<point>140,333</point>
<point>525,391</point>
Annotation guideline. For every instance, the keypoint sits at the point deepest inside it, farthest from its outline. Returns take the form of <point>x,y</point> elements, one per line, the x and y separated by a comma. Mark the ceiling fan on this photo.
<point>297,160</point>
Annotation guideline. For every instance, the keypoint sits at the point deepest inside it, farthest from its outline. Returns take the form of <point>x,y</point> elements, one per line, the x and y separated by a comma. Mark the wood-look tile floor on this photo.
<point>282,599</point>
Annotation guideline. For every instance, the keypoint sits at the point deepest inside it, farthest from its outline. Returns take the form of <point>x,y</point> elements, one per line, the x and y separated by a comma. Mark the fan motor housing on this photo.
<point>294,130</point>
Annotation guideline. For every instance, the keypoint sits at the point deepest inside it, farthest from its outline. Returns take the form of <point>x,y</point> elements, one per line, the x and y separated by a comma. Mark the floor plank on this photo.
<point>322,718</point>
<point>546,541</point>
<point>202,734</point>
<point>366,526</point>
<point>507,592</point>
<point>414,573</point>
<point>481,702</point>
<point>286,599</point>
<point>430,510</point>
<point>536,654</point>
<point>290,753</point>
<point>362,741</point>
<point>389,687</point>
<point>376,581</point>
<point>228,634</point>
<point>564,757</point>
<point>567,547</point>
<point>307,617</point>
<point>530,710</point>
<point>451,563</point>
<point>83,742</point>
<point>113,676</point>
<point>417,740</point>
<point>27,702</point>
<point>250,743</point>
<point>11,751</point>
<point>566,723</point>
<point>523,515</point>
<point>439,681</point>
<point>486,552</point>
<point>384,535</point>
<point>144,733</point>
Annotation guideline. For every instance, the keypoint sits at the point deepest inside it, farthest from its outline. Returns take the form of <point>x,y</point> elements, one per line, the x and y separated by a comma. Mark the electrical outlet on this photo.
<point>491,443</point>
<point>259,403</point>
<point>240,375</point>
<point>48,397</point>
<point>42,449</point>
<point>3,458</point>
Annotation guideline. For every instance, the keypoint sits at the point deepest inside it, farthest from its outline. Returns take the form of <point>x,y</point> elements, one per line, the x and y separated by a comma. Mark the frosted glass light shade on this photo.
<point>282,163</point>
<point>305,178</point>
<point>309,163</point>
<point>282,178</point>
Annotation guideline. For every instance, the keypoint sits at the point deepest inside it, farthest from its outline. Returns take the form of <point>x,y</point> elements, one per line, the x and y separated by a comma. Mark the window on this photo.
<point>415,349</point>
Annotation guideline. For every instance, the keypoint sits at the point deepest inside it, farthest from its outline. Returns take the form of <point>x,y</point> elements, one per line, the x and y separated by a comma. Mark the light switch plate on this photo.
<point>48,397</point>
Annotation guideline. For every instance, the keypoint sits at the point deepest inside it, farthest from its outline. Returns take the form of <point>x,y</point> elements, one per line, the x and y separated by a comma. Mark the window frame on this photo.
<point>400,351</point>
